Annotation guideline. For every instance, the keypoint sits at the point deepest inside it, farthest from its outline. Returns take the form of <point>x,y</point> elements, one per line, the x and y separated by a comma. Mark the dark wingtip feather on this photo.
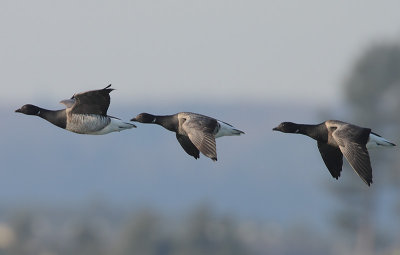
<point>368,182</point>
<point>214,159</point>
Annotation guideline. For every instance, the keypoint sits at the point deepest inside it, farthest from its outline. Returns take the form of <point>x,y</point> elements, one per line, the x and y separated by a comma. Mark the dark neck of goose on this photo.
<point>169,122</point>
<point>317,132</point>
<point>58,118</point>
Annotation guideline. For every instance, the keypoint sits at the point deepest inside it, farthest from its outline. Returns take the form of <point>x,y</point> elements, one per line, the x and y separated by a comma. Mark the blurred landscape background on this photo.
<point>253,64</point>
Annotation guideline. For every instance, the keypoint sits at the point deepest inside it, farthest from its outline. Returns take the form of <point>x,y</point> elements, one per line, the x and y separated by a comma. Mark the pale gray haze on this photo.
<point>250,63</point>
<point>168,50</point>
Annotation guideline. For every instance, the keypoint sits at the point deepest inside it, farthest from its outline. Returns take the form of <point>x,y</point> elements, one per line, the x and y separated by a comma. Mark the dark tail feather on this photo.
<point>239,132</point>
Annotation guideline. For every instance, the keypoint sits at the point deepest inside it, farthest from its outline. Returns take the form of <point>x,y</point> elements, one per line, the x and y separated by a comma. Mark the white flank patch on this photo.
<point>226,130</point>
<point>377,141</point>
<point>115,125</point>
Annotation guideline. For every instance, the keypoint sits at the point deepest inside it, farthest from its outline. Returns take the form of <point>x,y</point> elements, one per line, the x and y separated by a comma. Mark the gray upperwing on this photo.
<point>351,133</point>
<point>188,146</point>
<point>202,136</point>
<point>200,122</point>
<point>333,158</point>
<point>352,143</point>
<point>358,157</point>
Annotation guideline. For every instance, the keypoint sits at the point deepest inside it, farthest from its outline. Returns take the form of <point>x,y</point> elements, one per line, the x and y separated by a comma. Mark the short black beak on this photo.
<point>275,129</point>
<point>18,110</point>
<point>133,119</point>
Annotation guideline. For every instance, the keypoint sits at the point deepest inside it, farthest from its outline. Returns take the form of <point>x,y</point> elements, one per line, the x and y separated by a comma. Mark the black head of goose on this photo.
<point>335,139</point>
<point>195,132</point>
<point>58,118</point>
<point>86,113</point>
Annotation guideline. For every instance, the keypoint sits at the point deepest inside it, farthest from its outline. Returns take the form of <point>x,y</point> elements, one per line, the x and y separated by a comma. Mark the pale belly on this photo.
<point>87,124</point>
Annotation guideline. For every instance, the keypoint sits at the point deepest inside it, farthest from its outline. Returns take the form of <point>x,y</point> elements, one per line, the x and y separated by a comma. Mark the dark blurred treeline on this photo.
<point>98,230</point>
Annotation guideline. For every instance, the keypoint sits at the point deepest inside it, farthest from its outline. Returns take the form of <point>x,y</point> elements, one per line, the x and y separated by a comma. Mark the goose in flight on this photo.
<point>335,139</point>
<point>85,113</point>
<point>195,132</point>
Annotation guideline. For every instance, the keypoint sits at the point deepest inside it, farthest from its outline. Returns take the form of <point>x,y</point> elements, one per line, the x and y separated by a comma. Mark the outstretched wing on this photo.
<point>332,157</point>
<point>352,143</point>
<point>200,130</point>
<point>92,102</point>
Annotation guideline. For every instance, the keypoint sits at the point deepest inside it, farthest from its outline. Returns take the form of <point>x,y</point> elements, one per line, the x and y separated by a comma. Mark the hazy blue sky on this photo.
<point>226,50</point>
